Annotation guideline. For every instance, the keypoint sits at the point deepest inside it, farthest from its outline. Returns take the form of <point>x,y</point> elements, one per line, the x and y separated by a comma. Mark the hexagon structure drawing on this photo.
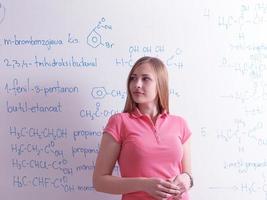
<point>94,39</point>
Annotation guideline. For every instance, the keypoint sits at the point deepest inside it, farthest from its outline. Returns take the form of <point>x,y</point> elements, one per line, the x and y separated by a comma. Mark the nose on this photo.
<point>138,83</point>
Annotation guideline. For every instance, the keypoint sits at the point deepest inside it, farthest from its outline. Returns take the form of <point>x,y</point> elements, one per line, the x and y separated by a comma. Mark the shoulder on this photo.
<point>181,124</point>
<point>176,118</point>
<point>119,117</point>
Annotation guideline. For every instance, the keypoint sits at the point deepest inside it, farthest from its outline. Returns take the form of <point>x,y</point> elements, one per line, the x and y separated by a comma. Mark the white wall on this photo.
<point>216,56</point>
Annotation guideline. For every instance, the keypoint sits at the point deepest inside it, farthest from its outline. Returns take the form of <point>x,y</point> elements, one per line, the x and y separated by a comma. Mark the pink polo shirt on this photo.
<point>148,150</point>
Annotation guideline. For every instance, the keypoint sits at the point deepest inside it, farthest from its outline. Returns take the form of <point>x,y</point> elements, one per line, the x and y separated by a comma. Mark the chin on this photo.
<point>138,101</point>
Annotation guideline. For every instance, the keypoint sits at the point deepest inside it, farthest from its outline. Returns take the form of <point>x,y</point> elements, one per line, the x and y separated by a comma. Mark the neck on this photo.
<point>149,110</point>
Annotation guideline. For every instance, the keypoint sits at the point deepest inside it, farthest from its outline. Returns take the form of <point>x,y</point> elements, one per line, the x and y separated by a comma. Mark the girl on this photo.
<point>151,146</point>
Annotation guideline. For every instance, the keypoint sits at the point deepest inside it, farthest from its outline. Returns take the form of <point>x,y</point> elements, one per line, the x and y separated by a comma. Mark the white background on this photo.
<point>216,56</point>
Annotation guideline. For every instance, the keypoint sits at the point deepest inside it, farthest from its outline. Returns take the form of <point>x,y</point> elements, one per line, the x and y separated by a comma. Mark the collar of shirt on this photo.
<point>137,114</point>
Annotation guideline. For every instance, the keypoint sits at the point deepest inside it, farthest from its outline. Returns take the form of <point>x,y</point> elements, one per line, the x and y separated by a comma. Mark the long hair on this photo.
<point>161,82</point>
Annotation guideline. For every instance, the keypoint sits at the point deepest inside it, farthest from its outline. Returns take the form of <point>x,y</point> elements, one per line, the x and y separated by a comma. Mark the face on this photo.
<point>142,85</point>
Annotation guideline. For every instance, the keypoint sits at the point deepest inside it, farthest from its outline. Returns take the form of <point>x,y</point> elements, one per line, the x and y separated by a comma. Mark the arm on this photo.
<point>186,176</point>
<point>186,161</point>
<point>104,181</point>
<point>183,180</point>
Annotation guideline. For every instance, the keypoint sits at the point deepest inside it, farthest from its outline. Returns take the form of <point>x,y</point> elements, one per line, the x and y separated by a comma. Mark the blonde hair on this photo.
<point>161,82</point>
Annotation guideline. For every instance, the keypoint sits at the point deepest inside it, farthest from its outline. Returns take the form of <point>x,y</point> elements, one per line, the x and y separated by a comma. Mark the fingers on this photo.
<point>169,184</point>
<point>168,189</point>
<point>178,196</point>
<point>181,187</point>
<point>171,179</point>
<point>162,195</point>
<point>163,189</point>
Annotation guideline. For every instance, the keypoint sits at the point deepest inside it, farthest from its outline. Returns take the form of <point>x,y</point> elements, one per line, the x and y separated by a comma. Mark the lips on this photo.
<point>137,93</point>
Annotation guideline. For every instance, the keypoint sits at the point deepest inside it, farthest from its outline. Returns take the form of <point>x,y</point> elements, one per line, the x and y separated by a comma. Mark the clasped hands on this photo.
<point>168,189</point>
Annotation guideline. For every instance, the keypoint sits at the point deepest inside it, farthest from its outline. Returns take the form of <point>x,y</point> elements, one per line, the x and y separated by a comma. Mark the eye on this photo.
<point>146,78</point>
<point>132,78</point>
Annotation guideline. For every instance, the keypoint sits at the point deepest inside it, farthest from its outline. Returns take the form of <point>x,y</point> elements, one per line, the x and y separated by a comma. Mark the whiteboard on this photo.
<point>63,74</point>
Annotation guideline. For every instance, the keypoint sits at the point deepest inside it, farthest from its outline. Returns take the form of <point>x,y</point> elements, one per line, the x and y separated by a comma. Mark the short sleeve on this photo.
<point>114,127</point>
<point>186,133</point>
